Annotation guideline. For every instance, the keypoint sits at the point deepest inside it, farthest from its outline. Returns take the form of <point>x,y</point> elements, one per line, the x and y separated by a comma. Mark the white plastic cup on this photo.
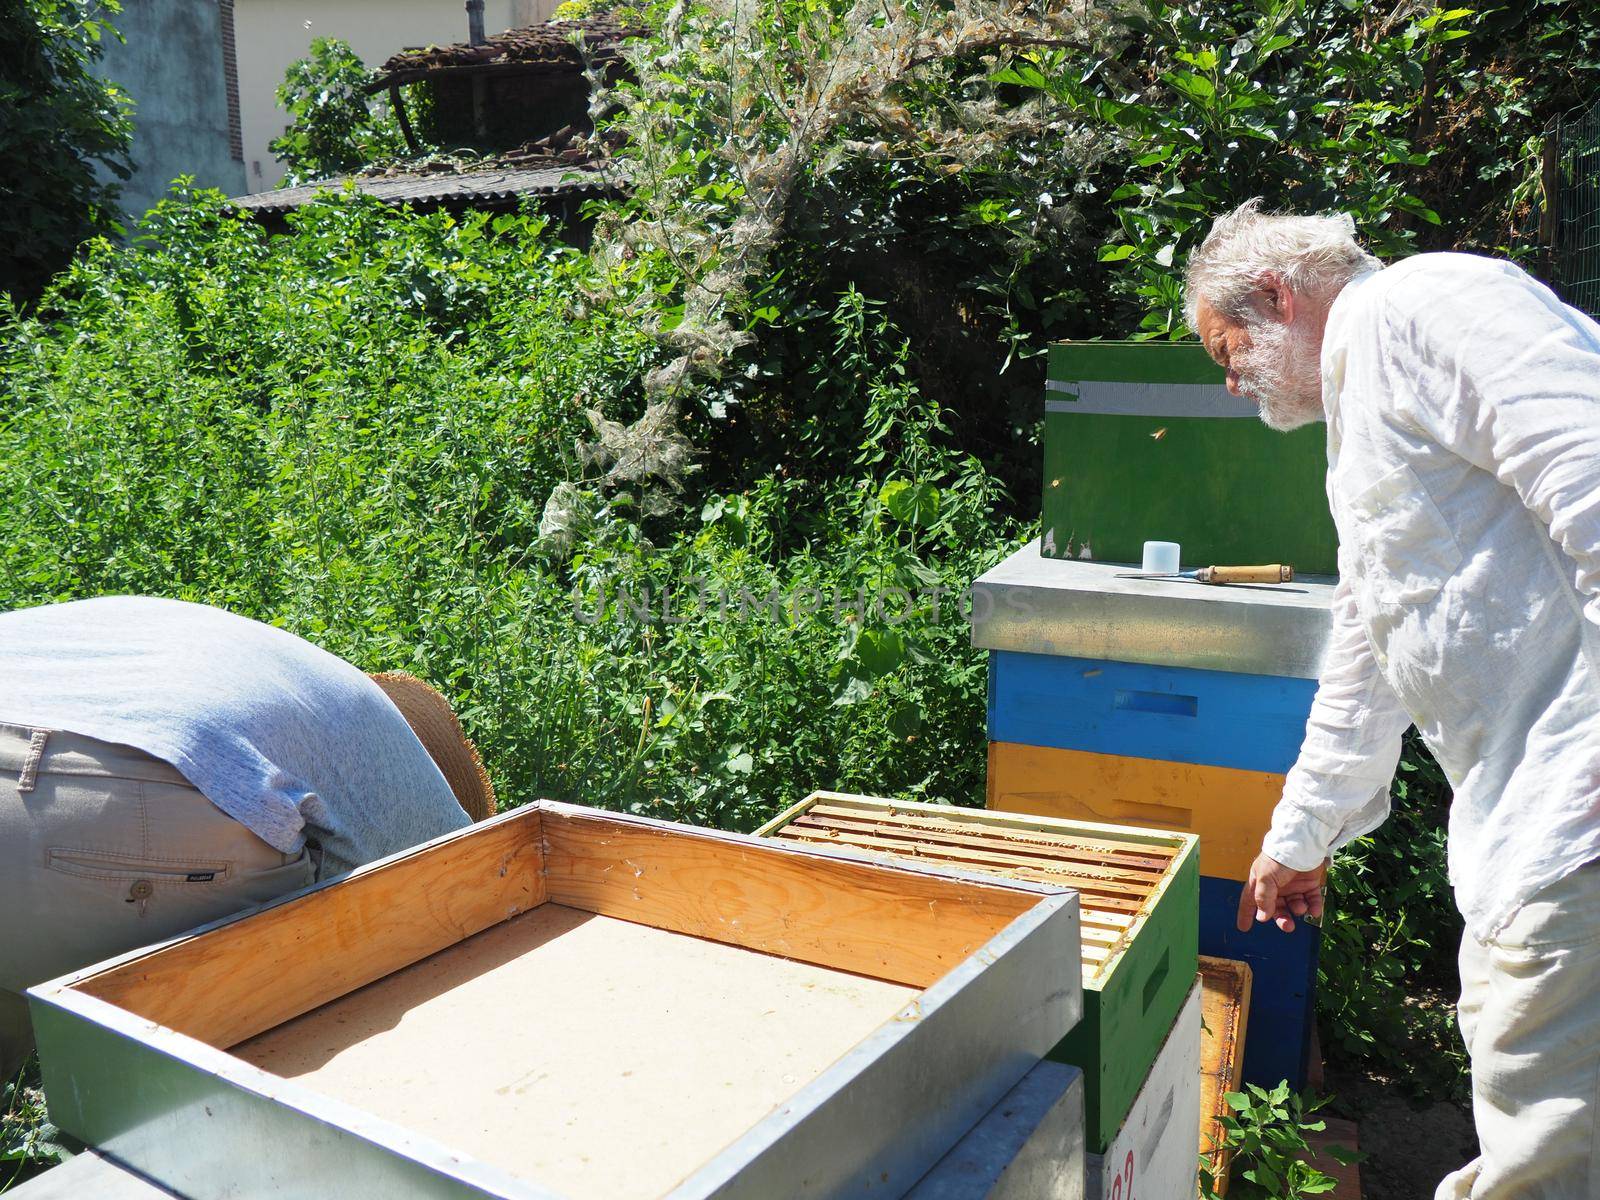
<point>1160,558</point>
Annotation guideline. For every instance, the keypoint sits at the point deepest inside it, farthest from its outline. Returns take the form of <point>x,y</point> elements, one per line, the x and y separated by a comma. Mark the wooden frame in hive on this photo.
<point>1225,997</point>
<point>1138,891</point>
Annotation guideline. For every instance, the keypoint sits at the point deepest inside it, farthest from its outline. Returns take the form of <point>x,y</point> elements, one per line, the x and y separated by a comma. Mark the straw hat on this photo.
<point>434,722</point>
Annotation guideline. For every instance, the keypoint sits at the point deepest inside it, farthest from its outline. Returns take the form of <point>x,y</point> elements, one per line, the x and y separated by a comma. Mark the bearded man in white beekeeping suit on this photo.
<point>1462,401</point>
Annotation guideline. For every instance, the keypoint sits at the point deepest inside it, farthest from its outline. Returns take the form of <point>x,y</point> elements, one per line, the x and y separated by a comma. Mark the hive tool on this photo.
<point>1274,573</point>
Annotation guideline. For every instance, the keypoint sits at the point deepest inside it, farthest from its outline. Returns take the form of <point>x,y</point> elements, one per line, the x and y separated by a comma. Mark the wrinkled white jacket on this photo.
<point>1463,407</point>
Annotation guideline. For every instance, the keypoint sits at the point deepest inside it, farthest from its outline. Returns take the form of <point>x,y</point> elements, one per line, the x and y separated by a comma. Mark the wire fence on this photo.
<point>1572,197</point>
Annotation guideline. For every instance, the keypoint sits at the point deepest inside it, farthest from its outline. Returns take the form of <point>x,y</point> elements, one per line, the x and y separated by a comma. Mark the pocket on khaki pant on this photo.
<point>168,894</point>
<point>94,866</point>
<point>129,868</point>
<point>192,864</point>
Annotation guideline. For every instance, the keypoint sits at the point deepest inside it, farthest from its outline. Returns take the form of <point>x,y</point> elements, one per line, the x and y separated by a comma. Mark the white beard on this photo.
<point>1282,373</point>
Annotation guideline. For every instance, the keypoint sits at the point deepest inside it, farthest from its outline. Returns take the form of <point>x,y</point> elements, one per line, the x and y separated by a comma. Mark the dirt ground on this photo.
<point>1410,1145</point>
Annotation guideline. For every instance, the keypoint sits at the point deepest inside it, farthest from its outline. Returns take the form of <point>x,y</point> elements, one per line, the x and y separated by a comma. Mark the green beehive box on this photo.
<point>1139,906</point>
<point>1143,442</point>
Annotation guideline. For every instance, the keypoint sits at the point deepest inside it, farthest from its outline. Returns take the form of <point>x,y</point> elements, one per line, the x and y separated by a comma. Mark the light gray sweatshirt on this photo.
<point>295,744</point>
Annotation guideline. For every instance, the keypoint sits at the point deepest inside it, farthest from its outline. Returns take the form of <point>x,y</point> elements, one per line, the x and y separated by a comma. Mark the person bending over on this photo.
<point>163,764</point>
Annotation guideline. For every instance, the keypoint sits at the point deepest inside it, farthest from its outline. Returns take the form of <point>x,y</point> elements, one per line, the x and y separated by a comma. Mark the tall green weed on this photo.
<point>352,433</point>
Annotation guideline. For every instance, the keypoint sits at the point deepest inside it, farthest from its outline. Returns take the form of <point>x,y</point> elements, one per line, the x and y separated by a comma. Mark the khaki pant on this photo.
<point>104,849</point>
<point>1530,1016</point>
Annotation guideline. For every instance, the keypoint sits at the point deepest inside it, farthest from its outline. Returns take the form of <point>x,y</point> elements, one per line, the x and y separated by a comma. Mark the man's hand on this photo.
<point>1279,894</point>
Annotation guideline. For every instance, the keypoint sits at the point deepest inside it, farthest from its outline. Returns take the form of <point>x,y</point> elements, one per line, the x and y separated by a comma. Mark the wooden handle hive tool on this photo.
<point>1275,573</point>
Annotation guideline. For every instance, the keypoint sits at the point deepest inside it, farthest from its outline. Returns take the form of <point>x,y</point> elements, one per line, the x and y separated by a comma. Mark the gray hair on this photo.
<point>1312,255</point>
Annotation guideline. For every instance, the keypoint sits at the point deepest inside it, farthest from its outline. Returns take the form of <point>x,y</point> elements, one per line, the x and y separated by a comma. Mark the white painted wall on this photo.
<point>271,34</point>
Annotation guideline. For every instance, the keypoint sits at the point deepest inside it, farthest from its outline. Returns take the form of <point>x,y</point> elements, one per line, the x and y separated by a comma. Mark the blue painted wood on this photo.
<point>1277,1040</point>
<point>1216,718</point>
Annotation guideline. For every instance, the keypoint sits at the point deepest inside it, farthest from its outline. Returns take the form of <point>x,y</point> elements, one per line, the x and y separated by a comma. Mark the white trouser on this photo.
<point>1530,1016</point>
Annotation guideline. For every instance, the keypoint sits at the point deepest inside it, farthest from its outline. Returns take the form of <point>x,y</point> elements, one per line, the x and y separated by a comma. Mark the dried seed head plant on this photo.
<point>734,103</point>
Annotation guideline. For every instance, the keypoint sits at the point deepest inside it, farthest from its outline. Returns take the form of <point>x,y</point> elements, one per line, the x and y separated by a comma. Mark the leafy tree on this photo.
<point>1266,1130</point>
<point>1314,104</point>
<point>336,128</point>
<point>1524,65</point>
<point>739,116</point>
<point>58,123</point>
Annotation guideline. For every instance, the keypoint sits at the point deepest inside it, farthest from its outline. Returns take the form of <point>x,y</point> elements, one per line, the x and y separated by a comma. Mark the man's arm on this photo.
<point>1338,788</point>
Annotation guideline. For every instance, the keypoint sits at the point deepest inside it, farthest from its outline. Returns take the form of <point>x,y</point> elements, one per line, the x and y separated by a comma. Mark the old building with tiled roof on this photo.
<point>509,114</point>
<point>517,87</point>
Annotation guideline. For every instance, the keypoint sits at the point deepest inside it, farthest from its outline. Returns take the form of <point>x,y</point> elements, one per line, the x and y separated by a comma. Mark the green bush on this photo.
<point>1266,1131</point>
<point>334,126</point>
<point>352,432</point>
<point>27,1138</point>
<point>1310,103</point>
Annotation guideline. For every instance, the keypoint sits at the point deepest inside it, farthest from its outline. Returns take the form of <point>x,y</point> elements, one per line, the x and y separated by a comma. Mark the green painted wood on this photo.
<point>1141,362</point>
<point>1229,490</point>
<point>1127,1017</point>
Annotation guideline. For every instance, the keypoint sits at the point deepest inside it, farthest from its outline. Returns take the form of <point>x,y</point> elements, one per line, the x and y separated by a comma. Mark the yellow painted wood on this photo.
<point>1229,809</point>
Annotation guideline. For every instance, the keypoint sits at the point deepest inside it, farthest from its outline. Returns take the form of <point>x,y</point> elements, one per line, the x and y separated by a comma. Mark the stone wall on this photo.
<point>173,64</point>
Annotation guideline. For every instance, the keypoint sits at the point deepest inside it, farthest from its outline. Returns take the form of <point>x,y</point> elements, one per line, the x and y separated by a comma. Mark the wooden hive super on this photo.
<point>562,1002</point>
<point>1138,892</point>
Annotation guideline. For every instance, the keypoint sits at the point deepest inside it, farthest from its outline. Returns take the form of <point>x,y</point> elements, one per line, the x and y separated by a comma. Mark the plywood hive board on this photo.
<point>562,1002</point>
<point>1138,902</point>
<point>1225,1009</point>
<point>488,1046</point>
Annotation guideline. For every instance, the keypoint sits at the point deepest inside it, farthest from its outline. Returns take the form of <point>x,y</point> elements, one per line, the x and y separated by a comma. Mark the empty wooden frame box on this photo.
<point>563,1002</point>
<point>1225,1008</point>
<point>1139,895</point>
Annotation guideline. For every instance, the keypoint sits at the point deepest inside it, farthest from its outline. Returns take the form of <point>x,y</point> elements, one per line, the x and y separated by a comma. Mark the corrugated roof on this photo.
<point>464,189</point>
